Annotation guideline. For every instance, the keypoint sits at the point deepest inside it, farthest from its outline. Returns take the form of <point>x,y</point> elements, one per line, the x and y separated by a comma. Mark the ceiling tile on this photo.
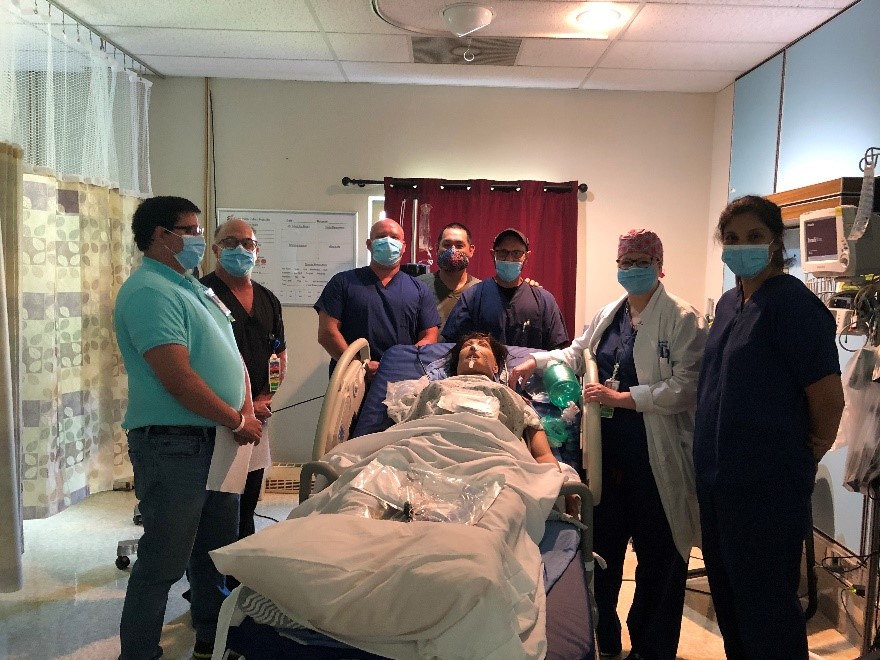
<point>470,76</point>
<point>725,23</point>
<point>354,16</point>
<point>371,47</point>
<point>512,18</point>
<point>659,81</point>
<point>736,57</point>
<point>214,67</point>
<point>239,14</point>
<point>561,52</point>
<point>827,4</point>
<point>222,43</point>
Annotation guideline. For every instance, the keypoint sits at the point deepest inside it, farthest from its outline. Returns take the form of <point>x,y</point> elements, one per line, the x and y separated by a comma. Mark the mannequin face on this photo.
<point>476,357</point>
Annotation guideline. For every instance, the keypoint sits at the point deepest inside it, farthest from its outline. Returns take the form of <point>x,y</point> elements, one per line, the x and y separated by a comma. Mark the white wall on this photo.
<point>651,160</point>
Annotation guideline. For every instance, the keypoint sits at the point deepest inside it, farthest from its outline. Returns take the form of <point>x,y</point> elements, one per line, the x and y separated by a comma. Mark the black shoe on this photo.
<point>187,595</point>
<point>203,650</point>
<point>634,656</point>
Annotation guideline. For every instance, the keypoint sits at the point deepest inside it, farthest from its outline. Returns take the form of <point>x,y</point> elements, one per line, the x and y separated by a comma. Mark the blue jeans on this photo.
<point>182,523</point>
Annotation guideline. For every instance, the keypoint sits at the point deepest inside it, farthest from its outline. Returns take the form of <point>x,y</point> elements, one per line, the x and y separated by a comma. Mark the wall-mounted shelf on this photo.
<point>836,192</point>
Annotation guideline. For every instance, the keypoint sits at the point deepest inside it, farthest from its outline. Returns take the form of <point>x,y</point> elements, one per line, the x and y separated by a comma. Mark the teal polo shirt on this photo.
<point>158,306</point>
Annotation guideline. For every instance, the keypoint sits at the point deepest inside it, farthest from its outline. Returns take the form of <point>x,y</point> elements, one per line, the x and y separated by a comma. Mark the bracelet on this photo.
<point>240,424</point>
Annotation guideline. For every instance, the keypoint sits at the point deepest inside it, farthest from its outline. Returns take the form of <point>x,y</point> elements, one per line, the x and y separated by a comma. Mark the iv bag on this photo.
<point>424,237</point>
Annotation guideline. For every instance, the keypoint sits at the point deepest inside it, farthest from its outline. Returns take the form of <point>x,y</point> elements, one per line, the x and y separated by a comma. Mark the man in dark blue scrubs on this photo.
<point>503,307</point>
<point>377,302</point>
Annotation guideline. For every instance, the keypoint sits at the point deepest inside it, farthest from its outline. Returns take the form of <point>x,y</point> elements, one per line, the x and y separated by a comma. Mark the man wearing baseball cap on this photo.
<point>503,307</point>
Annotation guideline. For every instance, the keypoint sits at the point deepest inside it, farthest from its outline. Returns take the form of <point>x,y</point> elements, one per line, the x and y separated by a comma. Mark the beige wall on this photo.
<point>719,190</point>
<point>648,159</point>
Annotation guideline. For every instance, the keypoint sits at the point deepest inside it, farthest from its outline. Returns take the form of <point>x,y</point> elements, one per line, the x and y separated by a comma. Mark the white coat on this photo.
<point>666,396</point>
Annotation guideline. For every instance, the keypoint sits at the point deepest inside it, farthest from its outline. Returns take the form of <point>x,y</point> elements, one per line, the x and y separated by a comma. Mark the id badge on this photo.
<point>216,300</point>
<point>607,411</point>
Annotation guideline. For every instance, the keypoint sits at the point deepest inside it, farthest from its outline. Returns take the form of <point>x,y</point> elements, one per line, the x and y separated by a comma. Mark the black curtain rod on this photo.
<point>550,187</point>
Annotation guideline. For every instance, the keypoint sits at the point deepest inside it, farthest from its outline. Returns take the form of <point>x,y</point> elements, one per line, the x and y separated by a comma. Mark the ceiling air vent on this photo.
<point>496,51</point>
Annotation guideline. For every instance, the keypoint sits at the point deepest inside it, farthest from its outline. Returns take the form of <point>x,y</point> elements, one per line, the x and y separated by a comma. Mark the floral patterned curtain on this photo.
<point>76,249</point>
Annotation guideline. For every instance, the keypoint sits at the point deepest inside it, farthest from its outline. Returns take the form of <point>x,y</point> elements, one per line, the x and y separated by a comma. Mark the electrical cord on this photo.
<point>298,403</point>
<point>260,515</point>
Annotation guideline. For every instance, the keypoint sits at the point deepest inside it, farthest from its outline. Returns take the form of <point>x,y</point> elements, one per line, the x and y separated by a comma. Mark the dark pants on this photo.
<point>182,523</point>
<point>631,508</point>
<point>248,504</point>
<point>753,539</point>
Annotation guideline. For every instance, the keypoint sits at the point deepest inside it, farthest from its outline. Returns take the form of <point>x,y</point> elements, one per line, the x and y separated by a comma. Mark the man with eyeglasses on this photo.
<point>507,308</point>
<point>185,379</point>
<point>259,334</point>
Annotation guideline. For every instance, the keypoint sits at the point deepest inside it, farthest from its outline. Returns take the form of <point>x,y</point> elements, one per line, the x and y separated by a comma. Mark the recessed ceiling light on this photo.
<point>600,18</point>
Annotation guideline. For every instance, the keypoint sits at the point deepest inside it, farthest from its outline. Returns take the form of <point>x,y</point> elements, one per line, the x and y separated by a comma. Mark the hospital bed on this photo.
<point>569,608</point>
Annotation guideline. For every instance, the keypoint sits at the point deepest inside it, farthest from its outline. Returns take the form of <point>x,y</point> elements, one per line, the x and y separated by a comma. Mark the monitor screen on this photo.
<point>820,239</point>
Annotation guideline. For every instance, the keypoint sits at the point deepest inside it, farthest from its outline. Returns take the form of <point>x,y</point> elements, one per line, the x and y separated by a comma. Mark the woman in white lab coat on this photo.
<point>648,346</point>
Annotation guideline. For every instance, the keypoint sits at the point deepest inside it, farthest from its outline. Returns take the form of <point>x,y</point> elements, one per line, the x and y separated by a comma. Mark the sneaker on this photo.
<point>203,650</point>
<point>610,654</point>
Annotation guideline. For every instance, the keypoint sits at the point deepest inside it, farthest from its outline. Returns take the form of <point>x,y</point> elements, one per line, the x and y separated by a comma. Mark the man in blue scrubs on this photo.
<point>503,307</point>
<point>185,378</point>
<point>377,302</point>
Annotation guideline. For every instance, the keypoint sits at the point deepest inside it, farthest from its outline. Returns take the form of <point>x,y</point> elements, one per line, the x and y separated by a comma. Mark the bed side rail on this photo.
<point>345,392</point>
<point>591,432</point>
<point>586,514</point>
<point>312,471</point>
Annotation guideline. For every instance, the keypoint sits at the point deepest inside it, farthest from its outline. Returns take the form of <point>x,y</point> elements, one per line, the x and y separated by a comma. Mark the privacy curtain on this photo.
<point>11,544</point>
<point>76,250</point>
<point>548,219</point>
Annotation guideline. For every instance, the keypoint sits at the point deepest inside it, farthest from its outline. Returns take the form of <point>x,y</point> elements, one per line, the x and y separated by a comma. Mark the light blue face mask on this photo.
<point>508,271</point>
<point>193,251</point>
<point>386,250</point>
<point>237,261</point>
<point>746,260</point>
<point>637,280</point>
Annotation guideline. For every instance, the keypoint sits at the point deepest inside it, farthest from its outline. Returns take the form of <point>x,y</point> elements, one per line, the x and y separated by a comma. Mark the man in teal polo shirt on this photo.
<point>185,378</point>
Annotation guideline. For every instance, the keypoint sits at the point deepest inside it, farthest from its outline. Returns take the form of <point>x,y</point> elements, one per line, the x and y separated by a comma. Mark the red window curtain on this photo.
<point>548,219</point>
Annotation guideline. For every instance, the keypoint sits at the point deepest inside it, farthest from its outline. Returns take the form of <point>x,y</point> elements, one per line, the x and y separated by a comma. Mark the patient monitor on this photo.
<point>826,250</point>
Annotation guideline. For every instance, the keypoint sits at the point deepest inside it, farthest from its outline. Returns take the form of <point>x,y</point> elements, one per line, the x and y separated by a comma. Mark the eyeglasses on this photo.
<point>626,264</point>
<point>192,230</point>
<point>231,242</point>
<point>504,254</point>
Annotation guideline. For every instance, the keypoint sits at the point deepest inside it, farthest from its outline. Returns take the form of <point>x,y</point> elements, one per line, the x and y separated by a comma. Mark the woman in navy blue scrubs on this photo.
<point>768,406</point>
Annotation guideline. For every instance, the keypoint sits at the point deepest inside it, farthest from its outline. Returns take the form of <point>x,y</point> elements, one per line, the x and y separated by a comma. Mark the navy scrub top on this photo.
<point>384,315</point>
<point>530,318</point>
<point>752,422</point>
<point>623,435</point>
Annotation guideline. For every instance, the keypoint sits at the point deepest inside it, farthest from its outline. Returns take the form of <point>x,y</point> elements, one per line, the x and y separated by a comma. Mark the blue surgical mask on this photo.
<point>637,280</point>
<point>237,261</point>
<point>746,260</point>
<point>193,251</point>
<point>386,250</point>
<point>508,271</point>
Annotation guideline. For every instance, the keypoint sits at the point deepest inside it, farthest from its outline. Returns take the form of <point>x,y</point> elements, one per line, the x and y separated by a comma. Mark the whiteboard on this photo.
<point>299,250</point>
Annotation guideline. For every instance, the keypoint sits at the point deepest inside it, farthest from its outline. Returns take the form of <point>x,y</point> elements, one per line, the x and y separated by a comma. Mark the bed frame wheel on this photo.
<point>122,562</point>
